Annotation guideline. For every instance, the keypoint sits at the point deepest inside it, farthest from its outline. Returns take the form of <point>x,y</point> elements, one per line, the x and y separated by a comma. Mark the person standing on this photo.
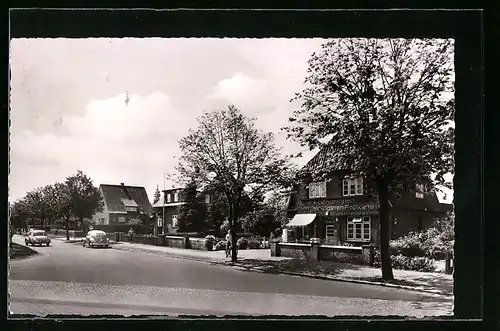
<point>130,234</point>
<point>229,241</point>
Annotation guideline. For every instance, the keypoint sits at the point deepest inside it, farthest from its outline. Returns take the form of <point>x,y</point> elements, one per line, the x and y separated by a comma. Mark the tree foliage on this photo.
<point>269,217</point>
<point>192,215</point>
<point>75,199</point>
<point>385,107</point>
<point>227,151</point>
<point>157,195</point>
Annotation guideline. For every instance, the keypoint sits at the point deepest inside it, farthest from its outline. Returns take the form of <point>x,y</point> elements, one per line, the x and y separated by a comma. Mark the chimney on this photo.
<point>122,184</point>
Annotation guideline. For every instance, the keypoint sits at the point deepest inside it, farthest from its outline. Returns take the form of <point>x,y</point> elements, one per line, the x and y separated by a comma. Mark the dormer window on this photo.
<point>176,196</point>
<point>419,191</point>
<point>317,190</point>
<point>169,197</point>
<point>352,186</point>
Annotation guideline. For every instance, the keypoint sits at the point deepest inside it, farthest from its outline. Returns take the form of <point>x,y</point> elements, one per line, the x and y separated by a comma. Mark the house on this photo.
<point>340,209</point>
<point>123,205</point>
<point>167,209</point>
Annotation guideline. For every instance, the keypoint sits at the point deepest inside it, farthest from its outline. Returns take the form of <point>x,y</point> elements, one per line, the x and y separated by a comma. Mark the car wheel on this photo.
<point>48,244</point>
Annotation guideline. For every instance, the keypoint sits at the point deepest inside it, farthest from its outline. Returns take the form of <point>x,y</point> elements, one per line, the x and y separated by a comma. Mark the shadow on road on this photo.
<point>19,251</point>
<point>311,267</point>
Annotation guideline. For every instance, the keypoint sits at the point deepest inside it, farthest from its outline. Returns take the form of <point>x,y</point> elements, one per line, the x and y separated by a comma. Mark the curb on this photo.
<point>253,269</point>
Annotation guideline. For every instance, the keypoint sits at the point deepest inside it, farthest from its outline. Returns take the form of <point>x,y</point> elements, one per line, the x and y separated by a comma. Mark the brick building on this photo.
<point>123,205</point>
<point>340,209</point>
<point>166,210</point>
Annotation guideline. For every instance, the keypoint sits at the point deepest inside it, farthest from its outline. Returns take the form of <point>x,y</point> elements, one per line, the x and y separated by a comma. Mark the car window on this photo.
<point>39,233</point>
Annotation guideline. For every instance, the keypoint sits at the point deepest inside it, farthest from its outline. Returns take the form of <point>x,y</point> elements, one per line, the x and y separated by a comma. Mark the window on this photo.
<point>419,191</point>
<point>169,197</point>
<point>317,190</point>
<point>207,198</point>
<point>358,228</point>
<point>175,221</point>
<point>159,222</point>
<point>176,196</point>
<point>132,209</point>
<point>352,186</point>
<point>330,231</point>
<point>121,219</point>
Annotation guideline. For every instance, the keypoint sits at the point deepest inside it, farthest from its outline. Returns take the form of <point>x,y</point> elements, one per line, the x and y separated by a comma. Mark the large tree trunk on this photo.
<point>66,221</point>
<point>385,257</point>
<point>234,251</point>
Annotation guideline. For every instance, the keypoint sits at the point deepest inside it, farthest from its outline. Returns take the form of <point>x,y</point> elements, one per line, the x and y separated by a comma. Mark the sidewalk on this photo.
<point>260,260</point>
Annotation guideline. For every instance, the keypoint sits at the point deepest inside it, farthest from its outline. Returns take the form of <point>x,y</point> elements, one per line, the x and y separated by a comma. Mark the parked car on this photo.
<point>36,237</point>
<point>96,238</point>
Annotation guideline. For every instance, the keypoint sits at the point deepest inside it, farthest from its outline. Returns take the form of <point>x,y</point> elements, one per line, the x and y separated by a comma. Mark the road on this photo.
<point>69,279</point>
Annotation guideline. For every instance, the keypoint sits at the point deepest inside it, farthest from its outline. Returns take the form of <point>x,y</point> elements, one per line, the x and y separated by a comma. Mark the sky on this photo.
<point>116,108</point>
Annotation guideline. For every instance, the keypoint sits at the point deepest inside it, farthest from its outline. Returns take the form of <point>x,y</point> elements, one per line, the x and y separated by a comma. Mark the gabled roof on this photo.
<point>115,195</point>
<point>324,159</point>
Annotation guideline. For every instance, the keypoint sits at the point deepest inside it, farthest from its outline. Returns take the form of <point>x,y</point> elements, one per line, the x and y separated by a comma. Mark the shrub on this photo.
<point>242,243</point>
<point>209,242</point>
<point>254,243</point>
<point>415,263</point>
<point>221,245</point>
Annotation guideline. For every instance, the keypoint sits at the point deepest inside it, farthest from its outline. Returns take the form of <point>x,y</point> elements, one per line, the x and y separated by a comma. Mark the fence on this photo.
<point>316,252</point>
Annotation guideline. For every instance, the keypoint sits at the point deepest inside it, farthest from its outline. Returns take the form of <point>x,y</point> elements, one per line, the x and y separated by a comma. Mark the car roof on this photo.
<point>96,231</point>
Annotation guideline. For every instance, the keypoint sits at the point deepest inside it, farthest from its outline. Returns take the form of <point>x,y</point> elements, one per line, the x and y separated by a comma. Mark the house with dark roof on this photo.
<point>166,210</point>
<point>123,205</point>
<point>341,208</point>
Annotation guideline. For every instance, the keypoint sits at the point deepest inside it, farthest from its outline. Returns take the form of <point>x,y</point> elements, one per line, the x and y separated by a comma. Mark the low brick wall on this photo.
<point>176,242</point>
<point>296,251</point>
<point>356,255</point>
<point>197,243</point>
<point>146,240</point>
<point>342,254</point>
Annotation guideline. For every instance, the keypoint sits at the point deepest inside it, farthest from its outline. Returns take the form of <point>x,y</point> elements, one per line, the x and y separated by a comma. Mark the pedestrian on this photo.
<point>229,243</point>
<point>130,234</point>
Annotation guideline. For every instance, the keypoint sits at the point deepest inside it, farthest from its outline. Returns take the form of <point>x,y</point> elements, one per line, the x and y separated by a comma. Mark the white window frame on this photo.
<point>169,197</point>
<point>176,196</point>
<point>419,191</point>
<point>175,221</point>
<point>363,223</point>
<point>123,218</point>
<point>352,186</point>
<point>131,209</point>
<point>329,229</point>
<point>317,190</point>
<point>159,222</point>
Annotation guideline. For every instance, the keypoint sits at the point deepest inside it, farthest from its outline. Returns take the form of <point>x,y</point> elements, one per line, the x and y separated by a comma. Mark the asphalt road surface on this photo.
<point>69,279</point>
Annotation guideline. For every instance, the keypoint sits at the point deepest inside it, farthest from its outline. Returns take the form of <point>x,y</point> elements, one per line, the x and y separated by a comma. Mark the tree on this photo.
<point>386,107</point>
<point>227,150</point>
<point>268,217</point>
<point>40,205</point>
<point>192,215</point>
<point>19,214</point>
<point>157,195</point>
<point>64,205</point>
<point>78,198</point>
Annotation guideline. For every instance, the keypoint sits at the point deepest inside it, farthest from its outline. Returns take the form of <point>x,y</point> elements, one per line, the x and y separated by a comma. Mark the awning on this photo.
<point>302,220</point>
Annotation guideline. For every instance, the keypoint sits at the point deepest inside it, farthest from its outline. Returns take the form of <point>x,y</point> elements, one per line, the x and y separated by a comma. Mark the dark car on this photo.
<point>37,237</point>
<point>96,238</point>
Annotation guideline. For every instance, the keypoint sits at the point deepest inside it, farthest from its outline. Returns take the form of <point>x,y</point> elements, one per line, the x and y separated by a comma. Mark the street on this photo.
<point>69,279</point>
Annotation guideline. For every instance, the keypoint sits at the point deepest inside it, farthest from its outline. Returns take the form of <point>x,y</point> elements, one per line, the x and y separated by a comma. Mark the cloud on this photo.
<point>250,94</point>
<point>112,143</point>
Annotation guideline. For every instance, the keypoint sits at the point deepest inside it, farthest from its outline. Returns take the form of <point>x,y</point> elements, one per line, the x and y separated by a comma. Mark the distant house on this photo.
<point>123,205</point>
<point>166,210</point>
<point>339,208</point>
